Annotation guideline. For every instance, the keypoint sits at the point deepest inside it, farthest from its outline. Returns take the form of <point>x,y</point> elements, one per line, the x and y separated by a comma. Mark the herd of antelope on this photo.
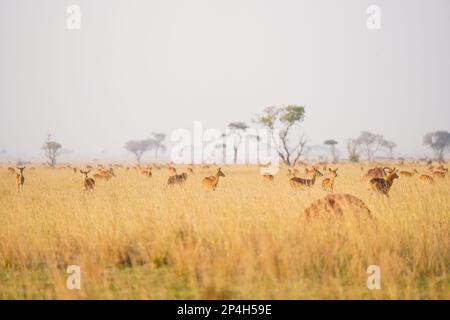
<point>380,180</point>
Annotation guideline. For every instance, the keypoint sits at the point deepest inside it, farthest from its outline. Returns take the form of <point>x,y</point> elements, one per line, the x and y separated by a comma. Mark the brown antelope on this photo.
<point>210,183</point>
<point>300,182</point>
<point>328,183</point>
<point>177,179</point>
<point>103,174</point>
<point>146,173</point>
<point>426,178</point>
<point>336,204</point>
<point>20,179</point>
<point>268,177</point>
<point>439,174</point>
<point>376,172</point>
<point>407,174</point>
<point>383,185</point>
<point>172,170</point>
<point>191,171</point>
<point>87,184</point>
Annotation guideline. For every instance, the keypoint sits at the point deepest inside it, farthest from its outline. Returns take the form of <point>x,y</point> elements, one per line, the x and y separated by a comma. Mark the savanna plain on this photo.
<point>135,238</point>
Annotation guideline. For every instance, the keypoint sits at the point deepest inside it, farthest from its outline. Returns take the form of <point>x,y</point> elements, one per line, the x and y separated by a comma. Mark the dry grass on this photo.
<point>133,238</point>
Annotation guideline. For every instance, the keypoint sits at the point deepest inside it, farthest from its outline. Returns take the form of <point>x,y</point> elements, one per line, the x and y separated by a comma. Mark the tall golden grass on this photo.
<point>135,238</point>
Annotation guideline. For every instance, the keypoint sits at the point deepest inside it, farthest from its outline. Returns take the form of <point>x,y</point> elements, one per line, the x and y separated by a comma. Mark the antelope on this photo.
<point>300,182</point>
<point>172,170</point>
<point>177,179</point>
<point>439,174</point>
<point>383,185</point>
<point>146,173</point>
<point>426,178</point>
<point>407,173</point>
<point>104,174</point>
<point>335,204</point>
<point>87,184</point>
<point>20,179</point>
<point>210,183</point>
<point>377,172</point>
<point>268,177</point>
<point>191,171</point>
<point>328,183</point>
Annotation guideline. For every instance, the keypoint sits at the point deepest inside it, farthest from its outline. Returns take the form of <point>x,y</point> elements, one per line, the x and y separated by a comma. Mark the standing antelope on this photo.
<point>104,174</point>
<point>300,182</point>
<point>426,178</point>
<point>172,170</point>
<point>328,183</point>
<point>383,185</point>
<point>20,179</point>
<point>210,183</point>
<point>268,177</point>
<point>88,184</point>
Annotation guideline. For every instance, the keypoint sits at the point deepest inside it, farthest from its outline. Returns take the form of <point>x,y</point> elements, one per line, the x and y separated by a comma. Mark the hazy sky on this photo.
<point>143,65</point>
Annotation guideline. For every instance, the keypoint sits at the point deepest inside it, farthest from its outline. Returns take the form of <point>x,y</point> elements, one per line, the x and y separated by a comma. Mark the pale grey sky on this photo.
<point>143,65</point>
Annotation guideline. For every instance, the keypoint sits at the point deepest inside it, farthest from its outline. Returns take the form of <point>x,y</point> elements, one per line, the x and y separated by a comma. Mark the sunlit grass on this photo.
<point>134,238</point>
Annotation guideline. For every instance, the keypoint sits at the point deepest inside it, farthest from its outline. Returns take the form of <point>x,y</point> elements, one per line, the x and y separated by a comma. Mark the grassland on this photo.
<point>134,238</point>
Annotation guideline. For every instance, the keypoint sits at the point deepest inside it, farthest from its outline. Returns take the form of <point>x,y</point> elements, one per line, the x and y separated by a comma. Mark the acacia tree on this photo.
<point>439,142</point>
<point>389,146</point>
<point>237,129</point>
<point>289,117</point>
<point>139,147</point>
<point>370,143</point>
<point>332,144</point>
<point>158,144</point>
<point>52,150</point>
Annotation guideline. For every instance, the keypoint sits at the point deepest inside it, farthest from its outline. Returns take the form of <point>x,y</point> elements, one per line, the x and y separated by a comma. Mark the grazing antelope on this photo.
<point>268,177</point>
<point>426,178</point>
<point>336,204</point>
<point>87,184</point>
<point>383,185</point>
<point>439,174</point>
<point>210,183</point>
<point>407,173</point>
<point>328,183</point>
<point>300,182</point>
<point>146,173</point>
<point>104,174</point>
<point>177,179</point>
<point>20,179</point>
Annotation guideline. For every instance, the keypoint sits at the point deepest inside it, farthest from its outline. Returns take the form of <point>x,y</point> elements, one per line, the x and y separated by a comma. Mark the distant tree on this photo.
<point>332,144</point>
<point>289,117</point>
<point>353,150</point>
<point>389,146</point>
<point>237,130</point>
<point>158,144</point>
<point>139,147</point>
<point>52,150</point>
<point>370,143</point>
<point>439,142</point>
